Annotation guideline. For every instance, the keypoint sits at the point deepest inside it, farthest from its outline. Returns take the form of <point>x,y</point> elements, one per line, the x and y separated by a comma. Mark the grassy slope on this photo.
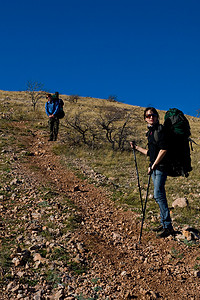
<point>115,165</point>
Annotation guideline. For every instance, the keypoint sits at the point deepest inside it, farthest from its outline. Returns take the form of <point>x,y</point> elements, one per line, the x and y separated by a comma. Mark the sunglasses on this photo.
<point>151,115</point>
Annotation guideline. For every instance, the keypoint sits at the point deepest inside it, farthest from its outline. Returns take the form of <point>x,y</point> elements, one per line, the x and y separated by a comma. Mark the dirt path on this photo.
<point>155,269</point>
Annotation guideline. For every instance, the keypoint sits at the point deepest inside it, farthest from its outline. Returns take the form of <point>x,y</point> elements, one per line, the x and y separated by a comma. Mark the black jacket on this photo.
<point>156,144</point>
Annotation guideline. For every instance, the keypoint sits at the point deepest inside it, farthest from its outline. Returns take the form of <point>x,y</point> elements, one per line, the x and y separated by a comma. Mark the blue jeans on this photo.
<point>159,179</point>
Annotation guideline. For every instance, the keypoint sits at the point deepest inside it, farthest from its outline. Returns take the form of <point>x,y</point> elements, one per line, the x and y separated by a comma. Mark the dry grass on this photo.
<point>119,166</point>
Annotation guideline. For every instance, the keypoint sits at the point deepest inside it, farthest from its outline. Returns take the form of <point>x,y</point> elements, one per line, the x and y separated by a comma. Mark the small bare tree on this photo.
<point>79,125</point>
<point>112,98</point>
<point>112,126</point>
<point>123,132</point>
<point>115,122</point>
<point>106,123</point>
<point>35,91</point>
<point>73,98</point>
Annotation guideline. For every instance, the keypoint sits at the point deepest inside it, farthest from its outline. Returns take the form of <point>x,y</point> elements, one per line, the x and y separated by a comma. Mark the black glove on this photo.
<point>133,144</point>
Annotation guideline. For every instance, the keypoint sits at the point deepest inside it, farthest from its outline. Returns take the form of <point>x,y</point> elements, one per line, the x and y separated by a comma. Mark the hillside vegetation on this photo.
<point>74,203</point>
<point>116,166</point>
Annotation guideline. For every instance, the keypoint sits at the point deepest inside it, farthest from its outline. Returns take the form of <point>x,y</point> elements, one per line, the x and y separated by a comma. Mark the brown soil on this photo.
<point>150,270</point>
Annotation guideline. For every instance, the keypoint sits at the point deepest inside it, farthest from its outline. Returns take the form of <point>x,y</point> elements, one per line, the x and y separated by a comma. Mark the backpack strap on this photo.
<point>192,141</point>
<point>156,132</point>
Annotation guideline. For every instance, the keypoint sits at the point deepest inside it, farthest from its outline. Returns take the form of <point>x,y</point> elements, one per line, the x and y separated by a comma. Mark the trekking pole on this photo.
<point>138,179</point>
<point>145,204</point>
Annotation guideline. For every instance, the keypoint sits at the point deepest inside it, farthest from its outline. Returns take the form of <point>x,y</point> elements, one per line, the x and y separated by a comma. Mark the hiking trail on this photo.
<point>105,240</point>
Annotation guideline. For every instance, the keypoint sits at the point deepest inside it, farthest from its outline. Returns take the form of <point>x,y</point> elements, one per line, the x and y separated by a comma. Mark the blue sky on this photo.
<point>144,52</point>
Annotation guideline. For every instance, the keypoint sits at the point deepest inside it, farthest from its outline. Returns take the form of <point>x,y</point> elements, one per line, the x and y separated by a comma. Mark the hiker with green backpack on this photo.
<point>169,151</point>
<point>157,150</point>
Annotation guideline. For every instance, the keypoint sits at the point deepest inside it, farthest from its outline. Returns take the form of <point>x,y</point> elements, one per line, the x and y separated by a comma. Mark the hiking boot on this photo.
<point>165,233</point>
<point>157,229</point>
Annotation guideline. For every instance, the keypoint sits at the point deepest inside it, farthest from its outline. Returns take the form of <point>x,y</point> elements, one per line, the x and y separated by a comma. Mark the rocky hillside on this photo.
<point>64,238</point>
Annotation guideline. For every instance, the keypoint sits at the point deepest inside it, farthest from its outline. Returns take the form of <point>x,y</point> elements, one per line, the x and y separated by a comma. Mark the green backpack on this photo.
<point>177,123</point>
<point>177,132</point>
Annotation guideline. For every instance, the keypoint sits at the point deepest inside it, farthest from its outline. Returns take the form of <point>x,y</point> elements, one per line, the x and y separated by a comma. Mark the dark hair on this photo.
<point>154,111</point>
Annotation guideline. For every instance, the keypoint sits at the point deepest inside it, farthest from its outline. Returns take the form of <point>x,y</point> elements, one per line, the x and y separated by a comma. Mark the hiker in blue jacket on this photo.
<point>157,150</point>
<point>52,109</point>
